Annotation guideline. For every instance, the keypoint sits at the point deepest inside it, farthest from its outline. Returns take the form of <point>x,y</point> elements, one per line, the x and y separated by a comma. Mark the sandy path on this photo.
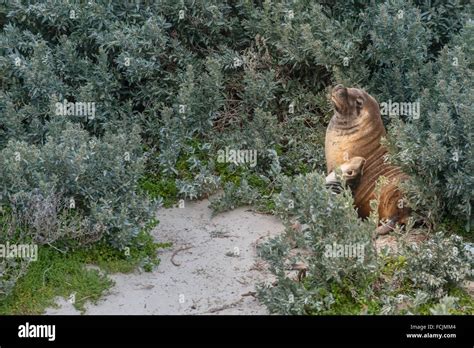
<point>215,263</point>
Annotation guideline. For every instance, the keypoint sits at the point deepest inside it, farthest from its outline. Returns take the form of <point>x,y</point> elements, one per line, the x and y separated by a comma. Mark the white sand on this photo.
<point>219,267</point>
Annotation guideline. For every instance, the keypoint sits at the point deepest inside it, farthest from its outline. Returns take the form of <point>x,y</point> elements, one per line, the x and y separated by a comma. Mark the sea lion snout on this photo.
<point>339,92</point>
<point>339,97</point>
<point>337,88</point>
<point>351,104</point>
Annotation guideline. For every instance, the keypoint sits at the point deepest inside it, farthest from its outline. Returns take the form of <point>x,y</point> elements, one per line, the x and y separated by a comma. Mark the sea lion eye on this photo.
<point>350,172</point>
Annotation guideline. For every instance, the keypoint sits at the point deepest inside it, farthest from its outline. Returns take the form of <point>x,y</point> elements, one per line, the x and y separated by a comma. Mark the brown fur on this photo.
<point>351,171</point>
<point>355,130</point>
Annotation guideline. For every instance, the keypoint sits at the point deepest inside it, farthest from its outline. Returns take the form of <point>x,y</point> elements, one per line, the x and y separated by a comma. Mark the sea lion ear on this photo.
<point>359,101</point>
<point>362,166</point>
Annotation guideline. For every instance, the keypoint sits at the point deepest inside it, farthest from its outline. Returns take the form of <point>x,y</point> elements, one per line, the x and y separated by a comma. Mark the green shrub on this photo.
<point>186,80</point>
<point>436,149</point>
<point>95,177</point>
<point>326,222</point>
<point>438,264</point>
<point>355,279</point>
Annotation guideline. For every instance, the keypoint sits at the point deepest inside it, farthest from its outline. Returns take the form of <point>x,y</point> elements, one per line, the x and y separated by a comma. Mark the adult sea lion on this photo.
<point>355,130</point>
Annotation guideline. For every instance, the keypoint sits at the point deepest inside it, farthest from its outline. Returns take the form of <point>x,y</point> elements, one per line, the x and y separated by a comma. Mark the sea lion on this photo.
<point>356,130</point>
<point>351,172</point>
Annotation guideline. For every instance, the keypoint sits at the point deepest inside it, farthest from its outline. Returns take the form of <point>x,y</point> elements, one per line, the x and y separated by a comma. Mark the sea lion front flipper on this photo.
<point>333,183</point>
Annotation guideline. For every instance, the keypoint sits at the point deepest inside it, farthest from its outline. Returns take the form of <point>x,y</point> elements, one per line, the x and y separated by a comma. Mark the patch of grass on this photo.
<point>228,174</point>
<point>63,274</point>
<point>393,265</point>
<point>142,253</point>
<point>158,187</point>
<point>55,274</point>
<point>258,182</point>
<point>346,304</point>
<point>164,186</point>
<point>466,302</point>
<point>260,195</point>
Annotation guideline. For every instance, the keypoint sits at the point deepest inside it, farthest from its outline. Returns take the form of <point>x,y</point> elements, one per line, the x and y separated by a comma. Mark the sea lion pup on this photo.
<point>351,172</point>
<point>356,130</point>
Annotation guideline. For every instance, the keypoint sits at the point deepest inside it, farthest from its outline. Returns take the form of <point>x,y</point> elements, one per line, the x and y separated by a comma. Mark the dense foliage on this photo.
<point>175,83</point>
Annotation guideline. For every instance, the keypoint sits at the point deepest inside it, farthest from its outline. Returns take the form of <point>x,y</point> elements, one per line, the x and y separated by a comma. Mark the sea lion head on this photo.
<point>351,171</point>
<point>352,103</point>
